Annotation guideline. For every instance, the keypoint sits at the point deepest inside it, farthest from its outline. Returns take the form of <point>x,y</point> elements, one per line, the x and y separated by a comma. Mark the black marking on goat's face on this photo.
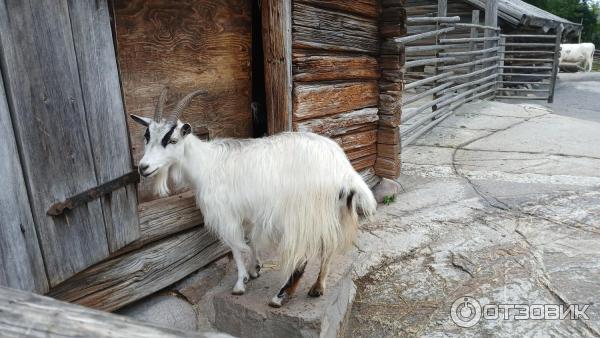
<point>167,138</point>
<point>147,135</point>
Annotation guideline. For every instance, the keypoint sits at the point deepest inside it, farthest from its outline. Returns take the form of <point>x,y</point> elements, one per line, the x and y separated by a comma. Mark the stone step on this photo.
<point>250,316</point>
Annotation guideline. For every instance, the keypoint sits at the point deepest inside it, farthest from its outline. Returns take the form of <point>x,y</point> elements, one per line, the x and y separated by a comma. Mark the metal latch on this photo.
<point>93,193</point>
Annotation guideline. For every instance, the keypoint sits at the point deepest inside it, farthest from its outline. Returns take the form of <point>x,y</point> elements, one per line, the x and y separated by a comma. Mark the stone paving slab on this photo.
<point>505,216</point>
<point>249,315</point>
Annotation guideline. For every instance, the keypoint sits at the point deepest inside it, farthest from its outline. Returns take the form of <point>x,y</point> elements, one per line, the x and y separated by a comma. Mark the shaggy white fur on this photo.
<point>295,191</point>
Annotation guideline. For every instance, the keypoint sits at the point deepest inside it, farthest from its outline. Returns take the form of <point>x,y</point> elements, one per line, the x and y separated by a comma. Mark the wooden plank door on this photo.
<point>21,264</point>
<point>186,45</point>
<point>63,91</point>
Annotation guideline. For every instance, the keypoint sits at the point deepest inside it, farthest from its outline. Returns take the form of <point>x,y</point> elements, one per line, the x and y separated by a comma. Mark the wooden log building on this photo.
<point>71,72</point>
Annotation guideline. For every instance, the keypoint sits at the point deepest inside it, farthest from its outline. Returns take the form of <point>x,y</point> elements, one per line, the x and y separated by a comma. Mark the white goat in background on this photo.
<point>296,191</point>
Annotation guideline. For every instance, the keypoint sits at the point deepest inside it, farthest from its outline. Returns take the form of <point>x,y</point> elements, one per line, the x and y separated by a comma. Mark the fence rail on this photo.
<point>456,69</point>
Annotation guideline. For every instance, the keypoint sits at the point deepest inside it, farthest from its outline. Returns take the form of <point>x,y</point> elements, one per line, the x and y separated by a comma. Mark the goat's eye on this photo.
<point>147,135</point>
<point>172,141</point>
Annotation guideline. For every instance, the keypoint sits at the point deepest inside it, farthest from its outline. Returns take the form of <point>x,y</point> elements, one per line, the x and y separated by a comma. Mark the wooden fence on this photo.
<point>443,72</point>
<point>529,64</point>
<point>449,63</point>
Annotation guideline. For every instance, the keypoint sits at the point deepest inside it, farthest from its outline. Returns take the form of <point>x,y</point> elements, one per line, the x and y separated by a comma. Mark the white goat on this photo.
<point>297,191</point>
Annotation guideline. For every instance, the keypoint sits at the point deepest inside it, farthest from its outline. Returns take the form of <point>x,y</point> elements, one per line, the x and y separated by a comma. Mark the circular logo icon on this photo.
<point>465,311</point>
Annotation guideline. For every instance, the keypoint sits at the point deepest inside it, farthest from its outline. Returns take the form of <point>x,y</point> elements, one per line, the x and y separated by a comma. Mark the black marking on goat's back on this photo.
<point>167,136</point>
<point>349,199</point>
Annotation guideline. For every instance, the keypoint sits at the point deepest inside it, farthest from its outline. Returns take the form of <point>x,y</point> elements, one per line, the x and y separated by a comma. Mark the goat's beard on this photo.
<point>163,185</point>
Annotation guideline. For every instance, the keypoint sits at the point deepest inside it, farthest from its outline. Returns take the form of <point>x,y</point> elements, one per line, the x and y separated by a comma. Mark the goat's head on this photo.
<point>164,137</point>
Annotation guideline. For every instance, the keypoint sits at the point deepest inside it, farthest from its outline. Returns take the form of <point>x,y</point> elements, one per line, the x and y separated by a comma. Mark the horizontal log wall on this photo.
<point>336,70</point>
<point>335,74</point>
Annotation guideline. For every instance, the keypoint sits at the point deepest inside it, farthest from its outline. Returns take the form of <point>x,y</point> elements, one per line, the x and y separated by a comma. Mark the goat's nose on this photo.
<point>142,168</point>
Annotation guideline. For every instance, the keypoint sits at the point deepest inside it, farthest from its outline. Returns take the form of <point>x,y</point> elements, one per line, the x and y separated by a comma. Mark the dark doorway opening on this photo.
<point>258,106</point>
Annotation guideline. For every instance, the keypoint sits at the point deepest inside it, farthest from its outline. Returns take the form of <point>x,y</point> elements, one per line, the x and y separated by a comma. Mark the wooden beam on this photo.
<point>334,67</point>
<point>277,46</point>
<point>164,217</point>
<point>354,141</point>
<point>339,124</point>
<point>367,8</point>
<point>559,32</point>
<point>26,314</point>
<point>333,31</point>
<point>316,100</point>
<point>119,281</point>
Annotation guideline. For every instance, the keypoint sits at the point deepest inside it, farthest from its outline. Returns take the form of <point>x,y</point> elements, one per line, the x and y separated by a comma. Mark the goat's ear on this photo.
<point>186,129</point>
<point>144,121</point>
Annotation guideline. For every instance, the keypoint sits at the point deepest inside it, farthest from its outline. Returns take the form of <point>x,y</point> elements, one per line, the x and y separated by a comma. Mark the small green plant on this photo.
<point>387,200</point>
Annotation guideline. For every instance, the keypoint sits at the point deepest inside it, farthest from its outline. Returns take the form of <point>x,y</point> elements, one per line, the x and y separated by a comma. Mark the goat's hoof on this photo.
<point>236,292</point>
<point>315,292</point>
<point>277,301</point>
<point>254,275</point>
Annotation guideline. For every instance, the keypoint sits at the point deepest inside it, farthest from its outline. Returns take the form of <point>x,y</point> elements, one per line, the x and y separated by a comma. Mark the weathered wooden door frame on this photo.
<point>276,16</point>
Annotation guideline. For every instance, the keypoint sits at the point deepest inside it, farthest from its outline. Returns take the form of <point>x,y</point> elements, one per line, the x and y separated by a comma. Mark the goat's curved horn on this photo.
<point>160,104</point>
<point>183,103</point>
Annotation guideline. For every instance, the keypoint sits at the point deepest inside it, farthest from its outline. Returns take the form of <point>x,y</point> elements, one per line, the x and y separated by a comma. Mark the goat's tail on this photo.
<point>355,197</point>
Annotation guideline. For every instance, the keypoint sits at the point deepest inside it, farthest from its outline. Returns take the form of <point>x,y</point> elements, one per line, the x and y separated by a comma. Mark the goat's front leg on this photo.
<point>288,288</point>
<point>242,279</point>
<point>255,263</point>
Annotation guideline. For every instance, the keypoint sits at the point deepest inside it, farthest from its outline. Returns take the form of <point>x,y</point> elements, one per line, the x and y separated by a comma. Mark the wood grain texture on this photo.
<point>307,68</point>
<point>362,152</point>
<point>315,100</point>
<point>387,167</point>
<point>367,8</point>
<point>101,90</point>
<point>187,44</point>
<point>119,281</point>
<point>392,60</point>
<point>276,20</point>
<point>339,124</point>
<point>363,162</point>
<point>334,31</point>
<point>388,150</point>
<point>350,142</point>
<point>388,135</point>
<point>164,217</point>
<point>28,315</point>
<point>42,81</point>
<point>21,263</point>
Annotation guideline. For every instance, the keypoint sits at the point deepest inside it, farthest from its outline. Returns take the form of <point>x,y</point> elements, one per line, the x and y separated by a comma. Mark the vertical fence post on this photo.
<point>500,77</point>
<point>442,11</point>
<point>557,52</point>
<point>491,19</point>
<point>473,44</point>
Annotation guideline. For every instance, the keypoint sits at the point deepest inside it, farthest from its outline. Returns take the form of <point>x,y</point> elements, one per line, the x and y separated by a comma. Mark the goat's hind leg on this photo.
<point>319,287</point>
<point>255,263</point>
<point>288,288</point>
